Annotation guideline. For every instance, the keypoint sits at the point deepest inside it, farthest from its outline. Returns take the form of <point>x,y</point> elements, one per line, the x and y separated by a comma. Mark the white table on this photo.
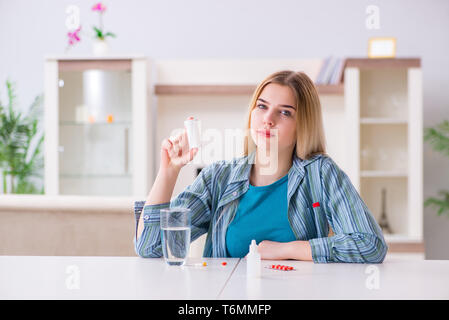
<point>399,277</point>
<point>396,278</point>
<point>35,277</point>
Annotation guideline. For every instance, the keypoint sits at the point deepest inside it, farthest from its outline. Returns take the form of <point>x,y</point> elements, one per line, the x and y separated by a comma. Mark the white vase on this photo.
<point>100,47</point>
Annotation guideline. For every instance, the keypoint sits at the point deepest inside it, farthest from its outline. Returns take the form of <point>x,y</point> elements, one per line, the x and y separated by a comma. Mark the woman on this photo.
<point>284,192</point>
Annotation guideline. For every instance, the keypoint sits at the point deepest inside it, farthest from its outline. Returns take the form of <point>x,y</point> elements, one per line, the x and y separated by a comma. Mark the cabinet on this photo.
<point>383,101</point>
<point>98,126</point>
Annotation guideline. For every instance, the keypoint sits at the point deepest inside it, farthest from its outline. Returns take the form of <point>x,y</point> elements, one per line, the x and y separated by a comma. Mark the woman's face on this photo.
<point>274,117</point>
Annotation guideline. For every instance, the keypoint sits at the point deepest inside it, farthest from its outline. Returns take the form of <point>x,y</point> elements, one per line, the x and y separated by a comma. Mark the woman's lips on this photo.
<point>265,133</point>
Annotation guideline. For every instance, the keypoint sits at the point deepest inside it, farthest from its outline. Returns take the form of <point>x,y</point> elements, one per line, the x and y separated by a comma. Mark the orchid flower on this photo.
<point>73,36</point>
<point>99,31</point>
<point>99,7</point>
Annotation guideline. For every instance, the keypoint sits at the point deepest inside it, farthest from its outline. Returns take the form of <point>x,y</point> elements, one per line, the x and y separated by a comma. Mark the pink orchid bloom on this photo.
<point>73,36</point>
<point>99,7</point>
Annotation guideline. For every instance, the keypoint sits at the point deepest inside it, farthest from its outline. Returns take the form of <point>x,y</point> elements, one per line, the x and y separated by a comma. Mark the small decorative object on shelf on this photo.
<point>382,48</point>
<point>73,38</point>
<point>91,119</point>
<point>73,26</point>
<point>100,45</point>
<point>110,118</point>
<point>383,221</point>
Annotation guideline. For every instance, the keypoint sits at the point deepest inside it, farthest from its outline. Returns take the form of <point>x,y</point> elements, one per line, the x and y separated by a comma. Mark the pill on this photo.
<point>224,263</point>
<point>204,264</point>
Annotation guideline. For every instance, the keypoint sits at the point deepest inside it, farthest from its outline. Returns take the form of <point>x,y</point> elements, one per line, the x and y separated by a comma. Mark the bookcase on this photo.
<point>383,101</point>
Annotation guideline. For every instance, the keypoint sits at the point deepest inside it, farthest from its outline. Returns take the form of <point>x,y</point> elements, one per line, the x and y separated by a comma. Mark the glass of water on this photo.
<point>175,233</point>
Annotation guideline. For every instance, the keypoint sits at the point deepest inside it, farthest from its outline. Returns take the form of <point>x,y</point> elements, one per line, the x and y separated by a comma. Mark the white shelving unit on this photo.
<point>98,126</point>
<point>383,101</point>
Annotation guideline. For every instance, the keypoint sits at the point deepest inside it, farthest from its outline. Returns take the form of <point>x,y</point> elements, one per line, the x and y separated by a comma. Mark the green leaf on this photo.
<point>99,33</point>
<point>110,34</point>
<point>438,137</point>
<point>441,204</point>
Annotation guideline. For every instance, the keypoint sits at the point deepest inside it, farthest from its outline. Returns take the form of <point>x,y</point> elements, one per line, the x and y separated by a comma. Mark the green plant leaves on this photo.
<point>19,161</point>
<point>438,137</point>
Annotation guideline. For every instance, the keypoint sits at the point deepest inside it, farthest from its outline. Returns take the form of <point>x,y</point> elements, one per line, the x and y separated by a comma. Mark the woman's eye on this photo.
<point>261,106</point>
<point>286,113</point>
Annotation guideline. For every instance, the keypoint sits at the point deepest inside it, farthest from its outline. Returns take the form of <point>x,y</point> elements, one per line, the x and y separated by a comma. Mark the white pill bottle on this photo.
<point>193,132</point>
<point>253,262</point>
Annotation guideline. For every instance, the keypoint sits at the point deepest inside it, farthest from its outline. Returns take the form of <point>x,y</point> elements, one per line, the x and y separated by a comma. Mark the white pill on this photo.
<point>193,132</point>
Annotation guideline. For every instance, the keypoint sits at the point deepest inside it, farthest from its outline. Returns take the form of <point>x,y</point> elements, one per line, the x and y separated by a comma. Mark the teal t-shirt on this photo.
<point>261,215</point>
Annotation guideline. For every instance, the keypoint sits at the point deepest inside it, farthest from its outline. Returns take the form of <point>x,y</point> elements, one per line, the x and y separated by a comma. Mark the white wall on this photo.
<point>245,29</point>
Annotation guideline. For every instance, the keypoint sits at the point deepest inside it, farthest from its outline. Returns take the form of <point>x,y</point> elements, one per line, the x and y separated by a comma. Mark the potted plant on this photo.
<point>20,145</point>
<point>438,137</point>
<point>100,46</point>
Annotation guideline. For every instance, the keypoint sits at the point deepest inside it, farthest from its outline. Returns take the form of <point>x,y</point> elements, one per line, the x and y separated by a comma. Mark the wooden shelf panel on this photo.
<point>380,120</point>
<point>164,89</point>
<point>85,64</point>
<point>403,243</point>
<point>383,174</point>
<point>336,89</point>
<point>396,246</point>
<point>379,63</point>
<point>244,89</point>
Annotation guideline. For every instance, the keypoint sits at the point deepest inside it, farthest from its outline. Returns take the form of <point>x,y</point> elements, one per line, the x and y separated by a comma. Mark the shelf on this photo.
<point>74,123</point>
<point>228,89</point>
<point>403,243</point>
<point>395,237</point>
<point>94,176</point>
<point>75,57</point>
<point>379,120</point>
<point>383,174</point>
<point>383,63</point>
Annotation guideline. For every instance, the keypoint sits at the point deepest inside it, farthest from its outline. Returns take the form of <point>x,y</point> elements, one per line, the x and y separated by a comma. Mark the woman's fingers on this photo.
<point>188,156</point>
<point>178,149</point>
<point>184,142</point>
<point>167,144</point>
<point>193,153</point>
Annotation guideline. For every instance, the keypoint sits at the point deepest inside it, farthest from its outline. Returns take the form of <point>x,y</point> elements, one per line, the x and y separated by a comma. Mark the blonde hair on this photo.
<point>310,138</point>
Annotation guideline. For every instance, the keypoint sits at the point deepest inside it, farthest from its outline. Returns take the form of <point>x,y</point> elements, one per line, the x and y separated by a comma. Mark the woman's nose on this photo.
<point>268,118</point>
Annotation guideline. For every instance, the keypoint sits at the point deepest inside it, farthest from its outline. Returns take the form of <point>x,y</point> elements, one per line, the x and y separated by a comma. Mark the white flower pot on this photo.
<point>100,47</point>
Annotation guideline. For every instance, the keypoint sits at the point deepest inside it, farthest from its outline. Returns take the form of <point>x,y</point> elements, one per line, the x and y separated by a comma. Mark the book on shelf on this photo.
<point>331,71</point>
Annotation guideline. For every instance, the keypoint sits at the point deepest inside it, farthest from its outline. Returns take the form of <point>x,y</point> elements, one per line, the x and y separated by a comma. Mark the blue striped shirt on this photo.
<point>214,195</point>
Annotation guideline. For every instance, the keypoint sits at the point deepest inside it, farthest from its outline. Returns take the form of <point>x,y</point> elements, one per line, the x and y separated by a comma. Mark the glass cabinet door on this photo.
<point>95,117</point>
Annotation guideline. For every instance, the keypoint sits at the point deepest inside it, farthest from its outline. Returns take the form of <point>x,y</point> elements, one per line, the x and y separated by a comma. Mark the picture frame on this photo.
<point>384,47</point>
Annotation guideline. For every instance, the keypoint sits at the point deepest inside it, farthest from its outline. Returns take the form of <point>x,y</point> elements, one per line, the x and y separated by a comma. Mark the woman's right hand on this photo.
<point>176,153</point>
